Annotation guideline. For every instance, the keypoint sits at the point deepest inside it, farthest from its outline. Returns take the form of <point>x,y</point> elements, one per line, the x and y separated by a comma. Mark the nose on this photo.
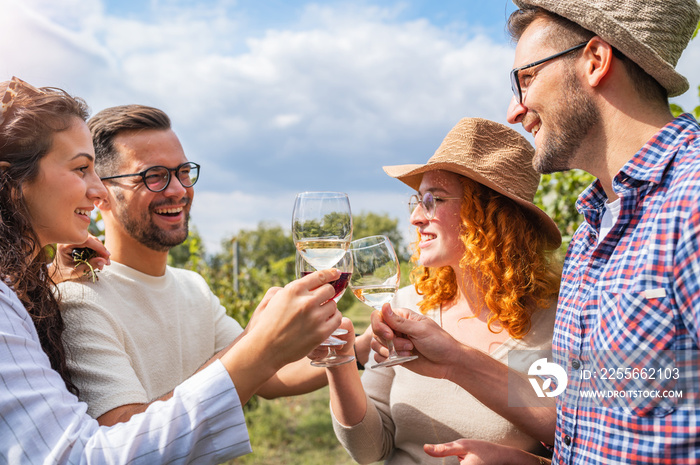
<point>175,188</point>
<point>418,216</point>
<point>96,189</point>
<point>516,111</point>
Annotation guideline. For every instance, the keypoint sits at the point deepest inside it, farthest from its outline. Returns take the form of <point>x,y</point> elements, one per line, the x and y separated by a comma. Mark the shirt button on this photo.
<point>576,364</point>
<point>567,440</point>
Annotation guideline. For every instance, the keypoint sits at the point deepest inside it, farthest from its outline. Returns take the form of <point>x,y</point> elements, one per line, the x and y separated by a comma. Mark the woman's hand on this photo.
<point>288,326</point>
<point>79,261</point>
<point>298,317</point>
<point>363,345</point>
<point>346,349</point>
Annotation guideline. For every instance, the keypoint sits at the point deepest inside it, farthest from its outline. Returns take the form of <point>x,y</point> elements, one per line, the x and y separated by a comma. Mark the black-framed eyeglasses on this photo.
<point>515,80</point>
<point>157,178</point>
<point>429,203</point>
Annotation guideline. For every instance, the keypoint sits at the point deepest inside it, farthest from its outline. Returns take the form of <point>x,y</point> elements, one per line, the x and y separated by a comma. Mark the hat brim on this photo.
<point>412,175</point>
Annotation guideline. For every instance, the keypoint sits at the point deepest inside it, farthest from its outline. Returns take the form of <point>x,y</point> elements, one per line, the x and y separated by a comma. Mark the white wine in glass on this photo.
<point>375,280</point>
<point>322,227</point>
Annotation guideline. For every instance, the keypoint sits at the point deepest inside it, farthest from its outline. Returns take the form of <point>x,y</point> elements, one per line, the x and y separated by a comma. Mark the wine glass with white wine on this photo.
<point>322,227</point>
<point>375,280</point>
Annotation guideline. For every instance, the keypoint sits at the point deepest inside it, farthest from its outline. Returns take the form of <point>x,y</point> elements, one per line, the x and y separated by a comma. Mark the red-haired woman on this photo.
<point>487,276</point>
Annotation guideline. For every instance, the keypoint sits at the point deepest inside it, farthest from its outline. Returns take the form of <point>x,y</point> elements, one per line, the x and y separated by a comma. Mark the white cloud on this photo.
<point>320,103</point>
<point>285,121</point>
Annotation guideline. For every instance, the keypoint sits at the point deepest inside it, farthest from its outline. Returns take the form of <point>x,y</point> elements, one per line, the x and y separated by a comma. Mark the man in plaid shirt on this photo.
<point>591,82</point>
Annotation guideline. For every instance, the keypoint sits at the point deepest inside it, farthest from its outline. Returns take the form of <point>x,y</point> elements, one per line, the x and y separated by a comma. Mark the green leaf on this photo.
<point>676,109</point>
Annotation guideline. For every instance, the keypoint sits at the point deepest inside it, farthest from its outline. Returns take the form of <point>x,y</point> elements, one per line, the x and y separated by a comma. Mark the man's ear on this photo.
<point>599,56</point>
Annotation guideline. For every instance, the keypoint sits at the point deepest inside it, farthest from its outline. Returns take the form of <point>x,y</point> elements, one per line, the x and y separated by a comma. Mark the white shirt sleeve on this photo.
<point>41,422</point>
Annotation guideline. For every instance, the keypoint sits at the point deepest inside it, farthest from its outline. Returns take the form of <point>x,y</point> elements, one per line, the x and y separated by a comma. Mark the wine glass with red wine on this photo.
<point>303,268</point>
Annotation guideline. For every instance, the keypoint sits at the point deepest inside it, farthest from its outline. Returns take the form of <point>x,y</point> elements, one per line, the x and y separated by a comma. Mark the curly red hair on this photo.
<point>518,270</point>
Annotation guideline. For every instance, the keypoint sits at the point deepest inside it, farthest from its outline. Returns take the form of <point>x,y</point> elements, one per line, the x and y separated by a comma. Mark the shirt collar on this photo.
<point>651,161</point>
<point>647,165</point>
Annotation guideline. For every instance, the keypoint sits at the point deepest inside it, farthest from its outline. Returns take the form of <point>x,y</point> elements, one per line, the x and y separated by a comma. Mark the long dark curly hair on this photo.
<point>26,135</point>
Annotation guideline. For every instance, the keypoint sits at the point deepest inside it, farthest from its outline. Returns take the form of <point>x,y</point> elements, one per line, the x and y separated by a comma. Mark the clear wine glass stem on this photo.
<point>392,350</point>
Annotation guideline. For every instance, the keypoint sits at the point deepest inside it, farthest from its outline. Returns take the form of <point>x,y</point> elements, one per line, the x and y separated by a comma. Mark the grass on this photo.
<point>298,430</point>
<point>294,430</point>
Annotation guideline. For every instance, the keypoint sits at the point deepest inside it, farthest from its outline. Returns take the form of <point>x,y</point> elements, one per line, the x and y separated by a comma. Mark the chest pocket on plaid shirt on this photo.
<point>631,320</point>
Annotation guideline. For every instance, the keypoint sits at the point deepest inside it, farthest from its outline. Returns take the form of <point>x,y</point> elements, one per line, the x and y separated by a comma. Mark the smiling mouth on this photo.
<point>169,211</point>
<point>427,237</point>
<point>82,212</point>
<point>535,129</point>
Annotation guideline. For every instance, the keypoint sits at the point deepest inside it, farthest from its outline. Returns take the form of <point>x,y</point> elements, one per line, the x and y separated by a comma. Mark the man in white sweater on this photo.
<point>143,327</point>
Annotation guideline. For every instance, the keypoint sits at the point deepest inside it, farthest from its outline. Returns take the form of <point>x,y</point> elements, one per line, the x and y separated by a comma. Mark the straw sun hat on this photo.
<point>652,33</point>
<point>491,154</point>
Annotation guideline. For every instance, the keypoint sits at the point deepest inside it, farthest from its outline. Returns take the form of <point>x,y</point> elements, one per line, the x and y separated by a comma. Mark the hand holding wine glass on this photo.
<point>375,280</point>
<point>303,268</point>
<point>322,230</point>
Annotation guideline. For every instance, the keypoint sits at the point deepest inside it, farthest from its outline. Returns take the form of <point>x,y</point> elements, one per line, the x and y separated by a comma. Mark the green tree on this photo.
<point>265,259</point>
<point>191,254</point>
<point>557,196</point>
<point>677,109</point>
<point>261,247</point>
<point>372,224</point>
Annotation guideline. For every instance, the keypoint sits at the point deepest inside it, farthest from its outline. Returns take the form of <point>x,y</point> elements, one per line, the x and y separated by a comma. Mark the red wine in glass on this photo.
<point>339,284</point>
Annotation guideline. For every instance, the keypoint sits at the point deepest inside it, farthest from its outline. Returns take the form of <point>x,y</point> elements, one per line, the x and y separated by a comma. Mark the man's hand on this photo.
<point>362,345</point>
<point>70,266</point>
<point>475,452</point>
<point>410,330</point>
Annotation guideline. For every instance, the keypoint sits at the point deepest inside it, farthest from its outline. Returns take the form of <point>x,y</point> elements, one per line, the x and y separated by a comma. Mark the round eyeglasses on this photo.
<point>429,203</point>
<point>157,178</point>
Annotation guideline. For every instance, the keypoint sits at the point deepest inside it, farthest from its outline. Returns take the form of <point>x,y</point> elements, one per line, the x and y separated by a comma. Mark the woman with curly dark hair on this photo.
<point>48,187</point>
<point>27,135</point>
<point>486,282</point>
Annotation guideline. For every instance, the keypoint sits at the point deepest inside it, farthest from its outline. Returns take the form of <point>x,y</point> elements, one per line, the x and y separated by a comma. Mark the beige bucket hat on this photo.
<point>491,154</point>
<point>652,33</point>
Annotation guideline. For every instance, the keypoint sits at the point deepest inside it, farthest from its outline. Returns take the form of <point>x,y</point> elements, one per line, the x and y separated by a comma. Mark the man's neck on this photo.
<point>623,131</point>
<point>129,252</point>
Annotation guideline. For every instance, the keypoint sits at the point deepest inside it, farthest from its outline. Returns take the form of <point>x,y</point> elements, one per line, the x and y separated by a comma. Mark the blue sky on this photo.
<point>277,13</point>
<point>275,97</point>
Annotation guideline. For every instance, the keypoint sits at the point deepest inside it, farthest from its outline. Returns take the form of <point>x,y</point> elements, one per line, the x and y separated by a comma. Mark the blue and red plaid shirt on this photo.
<point>637,293</point>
